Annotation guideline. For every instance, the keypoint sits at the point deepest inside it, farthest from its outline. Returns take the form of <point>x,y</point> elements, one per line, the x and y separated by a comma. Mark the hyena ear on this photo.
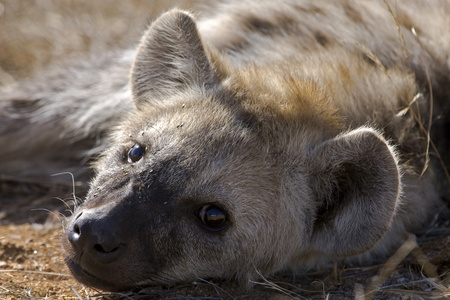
<point>169,59</point>
<point>356,182</point>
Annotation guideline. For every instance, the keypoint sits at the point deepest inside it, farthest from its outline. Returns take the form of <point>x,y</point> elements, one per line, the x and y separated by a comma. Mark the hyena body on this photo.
<point>268,136</point>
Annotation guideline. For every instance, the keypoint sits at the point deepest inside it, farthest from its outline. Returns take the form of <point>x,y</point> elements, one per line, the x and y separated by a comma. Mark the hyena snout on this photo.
<point>94,235</point>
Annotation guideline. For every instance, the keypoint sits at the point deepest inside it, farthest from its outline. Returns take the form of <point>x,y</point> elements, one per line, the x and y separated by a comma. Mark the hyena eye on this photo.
<point>212,217</point>
<point>135,153</point>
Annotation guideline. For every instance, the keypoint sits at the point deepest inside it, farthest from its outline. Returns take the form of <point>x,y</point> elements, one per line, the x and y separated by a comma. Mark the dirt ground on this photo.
<point>34,34</point>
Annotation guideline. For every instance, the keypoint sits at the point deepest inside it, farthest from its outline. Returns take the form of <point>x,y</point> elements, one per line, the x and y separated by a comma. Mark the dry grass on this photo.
<point>34,34</point>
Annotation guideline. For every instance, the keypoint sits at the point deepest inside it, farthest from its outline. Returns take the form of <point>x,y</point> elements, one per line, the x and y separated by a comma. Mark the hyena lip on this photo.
<point>86,278</point>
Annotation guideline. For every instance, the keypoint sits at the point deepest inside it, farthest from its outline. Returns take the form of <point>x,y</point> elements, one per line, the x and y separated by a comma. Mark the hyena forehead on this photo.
<point>189,123</point>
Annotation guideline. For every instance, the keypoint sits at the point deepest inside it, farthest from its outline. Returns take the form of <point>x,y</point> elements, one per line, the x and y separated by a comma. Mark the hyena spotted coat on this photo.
<point>260,136</point>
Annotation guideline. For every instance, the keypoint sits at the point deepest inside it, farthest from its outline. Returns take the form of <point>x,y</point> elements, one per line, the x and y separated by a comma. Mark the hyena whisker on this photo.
<point>68,205</point>
<point>59,216</point>
<point>76,200</point>
<point>73,181</point>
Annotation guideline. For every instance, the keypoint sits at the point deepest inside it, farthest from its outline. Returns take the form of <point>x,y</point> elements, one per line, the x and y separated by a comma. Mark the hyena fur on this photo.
<point>261,136</point>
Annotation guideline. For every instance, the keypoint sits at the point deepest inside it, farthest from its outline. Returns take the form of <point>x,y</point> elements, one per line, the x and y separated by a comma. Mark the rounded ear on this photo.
<point>169,59</point>
<point>356,182</point>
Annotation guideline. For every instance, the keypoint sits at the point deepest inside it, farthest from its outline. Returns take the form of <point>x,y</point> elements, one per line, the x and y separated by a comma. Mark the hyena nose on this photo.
<point>95,237</point>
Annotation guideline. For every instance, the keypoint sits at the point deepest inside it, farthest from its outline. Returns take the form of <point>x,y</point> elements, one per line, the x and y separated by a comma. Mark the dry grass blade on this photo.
<point>428,268</point>
<point>399,31</point>
<point>426,131</point>
<point>442,288</point>
<point>430,121</point>
<point>5,78</point>
<point>272,285</point>
<point>358,289</point>
<point>373,57</point>
<point>37,272</point>
<point>76,293</point>
<point>403,112</point>
<point>390,266</point>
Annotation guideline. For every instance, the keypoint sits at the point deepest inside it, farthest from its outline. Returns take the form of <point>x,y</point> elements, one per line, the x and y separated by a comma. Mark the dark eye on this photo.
<point>212,217</point>
<point>135,153</point>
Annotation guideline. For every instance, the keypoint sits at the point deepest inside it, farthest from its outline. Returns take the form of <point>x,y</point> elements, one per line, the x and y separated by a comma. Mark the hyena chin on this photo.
<point>245,157</point>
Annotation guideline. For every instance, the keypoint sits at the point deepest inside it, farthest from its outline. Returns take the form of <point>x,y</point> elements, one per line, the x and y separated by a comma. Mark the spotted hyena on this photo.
<point>259,137</point>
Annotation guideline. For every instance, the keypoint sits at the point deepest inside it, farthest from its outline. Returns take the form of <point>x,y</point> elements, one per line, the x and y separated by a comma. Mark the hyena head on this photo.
<point>220,173</point>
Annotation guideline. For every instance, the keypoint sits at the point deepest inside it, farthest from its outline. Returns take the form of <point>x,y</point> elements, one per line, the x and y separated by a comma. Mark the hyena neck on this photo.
<point>325,85</point>
<point>328,94</point>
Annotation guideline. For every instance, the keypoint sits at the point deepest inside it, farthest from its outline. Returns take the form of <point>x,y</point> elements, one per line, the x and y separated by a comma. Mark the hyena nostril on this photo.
<point>106,252</point>
<point>74,235</point>
<point>92,235</point>
<point>76,229</point>
<point>99,248</point>
<point>102,248</point>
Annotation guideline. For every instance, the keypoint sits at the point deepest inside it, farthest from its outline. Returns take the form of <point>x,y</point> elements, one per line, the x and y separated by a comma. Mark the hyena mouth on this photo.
<point>85,277</point>
<point>89,279</point>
